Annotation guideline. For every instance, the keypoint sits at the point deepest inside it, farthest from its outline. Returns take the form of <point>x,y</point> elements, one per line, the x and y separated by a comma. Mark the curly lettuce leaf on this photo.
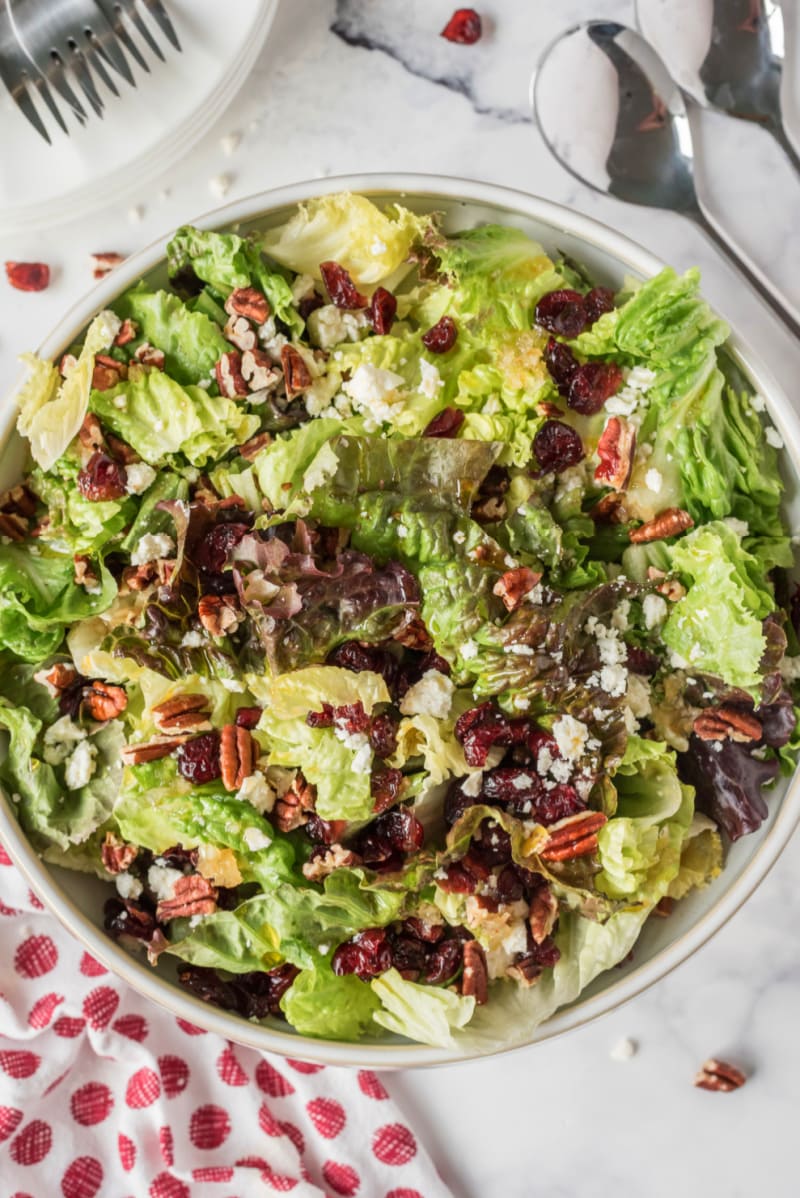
<point>191,341</point>
<point>425,1014</point>
<point>320,1003</point>
<point>701,858</point>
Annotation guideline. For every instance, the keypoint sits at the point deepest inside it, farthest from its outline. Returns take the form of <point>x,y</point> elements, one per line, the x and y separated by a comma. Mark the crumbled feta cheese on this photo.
<point>431,382</point>
<point>521,703</point>
<point>619,618</point>
<point>773,437</point>
<point>640,378</point>
<point>471,785</point>
<point>432,695</point>
<point>758,403</point>
<point>638,696</point>
<point>740,527</point>
<point>373,391</point>
<point>192,639</point>
<point>219,185</point>
<point>135,214</point>
<point>230,143</point>
<point>459,537</point>
<point>80,765</point>
<point>358,743</point>
<point>128,887</point>
<point>256,839</point>
<point>653,480</point>
<point>654,608</point>
<point>677,660</point>
<point>522,650</point>
<point>257,791</point>
<point>535,594</point>
<point>329,326</point>
<point>613,680</point>
<point>623,1050</point>
<point>60,739</point>
<point>162,879</point>
<point>469,650</point>
<point>232,684</point>
<point>303,287</point>
<point>138,476</point>
<point>378,247</point>
<point>790,670</point>
<point>107,325</point>
<point>570,736</point>
<point>151,547</point>
<point>630,720</point>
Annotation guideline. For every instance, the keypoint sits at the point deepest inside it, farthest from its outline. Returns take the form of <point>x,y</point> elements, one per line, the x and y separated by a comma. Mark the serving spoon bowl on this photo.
<point>628,132</point>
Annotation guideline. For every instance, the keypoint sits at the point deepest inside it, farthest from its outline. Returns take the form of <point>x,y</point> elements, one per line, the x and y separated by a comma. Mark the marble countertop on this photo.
<point>366,85</point>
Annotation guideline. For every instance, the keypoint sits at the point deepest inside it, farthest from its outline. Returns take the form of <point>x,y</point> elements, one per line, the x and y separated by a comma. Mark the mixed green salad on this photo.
<point>395,618</point>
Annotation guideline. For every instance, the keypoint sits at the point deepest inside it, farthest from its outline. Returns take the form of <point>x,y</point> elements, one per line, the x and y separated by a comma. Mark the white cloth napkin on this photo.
<point>103,1095</point>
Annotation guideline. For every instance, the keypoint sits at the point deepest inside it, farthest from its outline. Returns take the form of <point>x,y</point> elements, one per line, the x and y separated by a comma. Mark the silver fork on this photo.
<point>67,40</point>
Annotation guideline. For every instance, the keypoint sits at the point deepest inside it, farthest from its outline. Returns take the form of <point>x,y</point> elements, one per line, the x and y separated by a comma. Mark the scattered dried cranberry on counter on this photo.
<point>28,276</point>
<point>464,27</point>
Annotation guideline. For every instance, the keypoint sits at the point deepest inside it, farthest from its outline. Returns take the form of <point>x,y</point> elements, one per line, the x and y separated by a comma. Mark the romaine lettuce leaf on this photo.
<point>426,1014</point>
<point>701,858</point>
<point>192,343</point>
<point>320,1003</point>
<point>77,524</point>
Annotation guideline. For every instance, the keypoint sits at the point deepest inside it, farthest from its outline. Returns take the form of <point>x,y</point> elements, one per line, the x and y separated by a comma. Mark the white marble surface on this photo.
<point>367,85</point>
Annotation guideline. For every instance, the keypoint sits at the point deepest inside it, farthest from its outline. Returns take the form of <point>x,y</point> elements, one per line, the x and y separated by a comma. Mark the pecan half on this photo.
<point>475,979</point>
<point>666,524</point>
<point>237,752</point>
<point>615,450</point>
<point>103,701</point>
<point>414,635</point>
<point>152,750</point>
<point>193,895</point>
<point>239,331</point>
<point>295,371</point>
<point>107,372</point>
<point>148,355</point>
<point>291,809</point>
<point>229,375</point>
<point>90,434</point>
<point>543,913</point>
<point>324,861</point>
<point>252,448</point>
<point>719,1075</point>
<point>246,301</point>
<point>526,972</point>
<point>104,262</point>
<point>127,332</point>
<point>610,509</point>
<point>260,373</point>
<point>513,586</point>
<point>727,723</point>
<point>575,836</point>
<point>545,408</point>
<point>489,510</point>
<point>218,614</point>
<point>84,575</point>
<point>116,855</point>
<point>57,679</point>
<point>182,711</point>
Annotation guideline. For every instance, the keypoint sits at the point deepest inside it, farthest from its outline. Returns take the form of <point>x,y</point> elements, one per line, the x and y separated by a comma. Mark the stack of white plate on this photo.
<point>143,132</point>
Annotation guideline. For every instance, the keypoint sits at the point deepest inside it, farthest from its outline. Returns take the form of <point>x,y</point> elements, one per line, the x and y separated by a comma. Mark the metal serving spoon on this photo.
<point>739,67</point>
<point>625,130</point>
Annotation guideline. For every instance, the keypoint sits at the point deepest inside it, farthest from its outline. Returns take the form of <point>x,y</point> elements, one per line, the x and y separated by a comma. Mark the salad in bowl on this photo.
<point>396,620</point>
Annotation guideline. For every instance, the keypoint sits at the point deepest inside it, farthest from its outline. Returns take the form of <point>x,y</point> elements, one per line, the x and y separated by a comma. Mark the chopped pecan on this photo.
<point>121,450</point>
<point>90,434</point>
<point>138,578</point>
<point>116,855</point>
<point>252,448</point>
<point>84,574</point>
<point>513,586</point>
<point>295,371</point>
<point>152,750</point>
<point>189,710</point>
<point>104,262</point>
<point>57,679</point>
<point>543,913</point>
<point>610,509</point>
<point>545,408</point>
<point>325,860</point>
<point>218,614</point>
<point>104,701</point>
<point>18,501</point>
<point>237,753</point>
<point>107,372</point>
<point>526,971</point>
<point>127,332</point>
<point>193,895</point>
<point>414,635</point>
<point>239,331</point>
<point>719,1075</point>
<point>670,588</point>
<point>67,363</point>
<point>475,979</point>
<point>14,527</point>
<point>489,510</point>
<point>148,355</point>
<point>246,301</point>
<point>290,811</point>
<point>229,375</point>
<point>615,450</point>
<point>575,836</point>
<point>259,372</point>
<point>727,723</point>
<point>664,907</point>
<point>666,524</point>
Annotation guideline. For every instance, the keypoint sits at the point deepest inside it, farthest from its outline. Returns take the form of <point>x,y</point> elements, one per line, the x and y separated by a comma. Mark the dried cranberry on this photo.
<point>322,831</point>
<point>367,954</point>
<point>309,304</point>
<point>198,759</point>
<point>393,832</point>
<point>340,286</point>
<point>128,918</point>
<point>475,866</point>
<point>456,803</point>
<point>177,857</point>
<point>385,788</point>
<point>597,302</point>
<point>546,954</point>
<point>642,661</point>
<point>511,784</point>
<point>351,655</point>
<point>28,276</point>
<point>557,446</point>
<point>562,364</point>
<point>562,313</point>
<point>102,479</point>
<point>444,962</point>
<point>484,726</point>
<point>592,384</point>
<point>510,886</point>
<point>382,310</point>
<point>464,27</point>
<point>321,719</point>
<point>248,717</point>
<point>351,718</point>
<point>445,424</point>
<point>558,803</point>
<point>207,986</point>
<point>537,740</point>
<point>382,734</point>
<point>408,956</point>
<point>457,880</point>
<point>434,661</point>
<point>430,933</point>
<point>211,551</point>
<point>442,336</point>
<point>253,995</point>
<point>491,846</point>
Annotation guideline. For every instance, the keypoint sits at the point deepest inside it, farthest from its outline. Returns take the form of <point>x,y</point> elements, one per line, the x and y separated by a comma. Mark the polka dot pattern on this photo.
<point>106,1096</point>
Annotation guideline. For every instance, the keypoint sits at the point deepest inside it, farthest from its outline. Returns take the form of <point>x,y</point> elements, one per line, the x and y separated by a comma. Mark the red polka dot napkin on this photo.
<point>103,1095</point>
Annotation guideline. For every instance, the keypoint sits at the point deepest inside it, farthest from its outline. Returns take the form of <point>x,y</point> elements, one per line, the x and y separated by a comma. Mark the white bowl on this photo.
<point>77,900</point>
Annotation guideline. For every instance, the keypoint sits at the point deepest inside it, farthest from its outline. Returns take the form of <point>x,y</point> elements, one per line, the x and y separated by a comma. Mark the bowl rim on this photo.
<point>148,982</point>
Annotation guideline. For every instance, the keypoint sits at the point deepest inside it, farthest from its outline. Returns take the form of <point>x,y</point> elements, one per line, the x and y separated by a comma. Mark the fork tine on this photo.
<point>135,16</point>
<point>44,91</point>
<point>19,94</point>
<point>114,15</point>
<point>159,14</point>
<point>56,77</point>
<point>94,56</point>
<point>104,40</point>
<point>77,64</point>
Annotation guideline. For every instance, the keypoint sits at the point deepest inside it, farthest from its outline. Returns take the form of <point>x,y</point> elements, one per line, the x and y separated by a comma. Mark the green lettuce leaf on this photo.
<point>77,524</point>
<point>319,1003</point>
<point>426,1014</point>
<point>701,858</point>
<point>192,343</point>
